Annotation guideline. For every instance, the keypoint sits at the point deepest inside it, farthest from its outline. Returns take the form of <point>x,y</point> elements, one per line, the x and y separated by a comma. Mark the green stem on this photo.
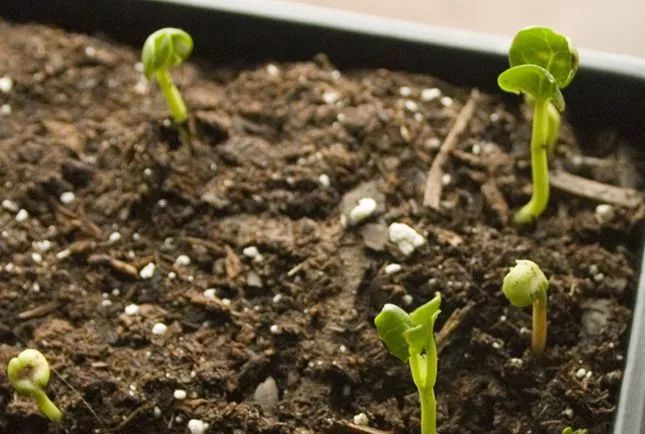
<point>173,97</point>
<point>45,405</point>
<point>539,165</point>
<point>424,370</point>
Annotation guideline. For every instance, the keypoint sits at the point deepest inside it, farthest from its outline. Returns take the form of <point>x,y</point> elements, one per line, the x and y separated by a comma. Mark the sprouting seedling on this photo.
<point>569,430</point>
<point>525,284</point>
<point>410,337</point>
<point>29,374</point>
<point>162,50</point>
<point>542,62</point>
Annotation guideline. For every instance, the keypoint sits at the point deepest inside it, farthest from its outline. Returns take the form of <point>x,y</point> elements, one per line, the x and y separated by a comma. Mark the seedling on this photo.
<point>29,374</point>
<point>569,430</point>
<point>410,337</point>
<point>525,284</point>
<point>162,50</point>
<point>542,62</point>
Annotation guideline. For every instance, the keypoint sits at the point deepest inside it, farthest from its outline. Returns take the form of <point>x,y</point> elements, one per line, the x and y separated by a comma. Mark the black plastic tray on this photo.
<point>608,91</point>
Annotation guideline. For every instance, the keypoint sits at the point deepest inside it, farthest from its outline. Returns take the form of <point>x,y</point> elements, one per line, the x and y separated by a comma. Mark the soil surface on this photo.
<point>268,299</point>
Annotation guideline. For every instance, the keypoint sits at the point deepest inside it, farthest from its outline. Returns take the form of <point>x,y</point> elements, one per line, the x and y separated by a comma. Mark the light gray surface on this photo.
<point>615,26</point>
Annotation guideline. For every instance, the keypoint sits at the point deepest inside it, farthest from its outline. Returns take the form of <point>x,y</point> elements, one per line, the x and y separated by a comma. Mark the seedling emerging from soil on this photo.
<point>569,430</point>
<point>410,337</point>
<point>29,374</point>
<point>162,50</point>
<point>542,62</point>
<point>525,284</point>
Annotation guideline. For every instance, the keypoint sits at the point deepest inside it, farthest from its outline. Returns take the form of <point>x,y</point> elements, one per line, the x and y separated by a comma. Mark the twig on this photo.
<point>432,195</point>
<point>595,190</point>
<point>343,427</point>
<point>130,417</point>
<point>40,311</point>
<point>451,324</point>
<point>80,396</point>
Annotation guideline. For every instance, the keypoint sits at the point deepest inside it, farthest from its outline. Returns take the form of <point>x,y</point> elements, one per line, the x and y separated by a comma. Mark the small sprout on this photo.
<point>29,374</point>
<point>525,284</point>
<point>569,430</point>
<point>542,62</point>
<point>410,337</point>
<point>163,49</point>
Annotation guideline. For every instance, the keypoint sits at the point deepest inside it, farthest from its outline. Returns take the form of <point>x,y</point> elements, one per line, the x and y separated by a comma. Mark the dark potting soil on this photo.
<point>277,153</point>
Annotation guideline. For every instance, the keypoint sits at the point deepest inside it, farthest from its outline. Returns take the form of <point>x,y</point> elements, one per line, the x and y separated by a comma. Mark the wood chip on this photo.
<point>495,200</point>
<point>40,311</point>
<point>451,324</point>
<point>434,186</point>
<point>232,263</point>
<point>117,265</point>
<point>344,427</point>
<point>595,190</point>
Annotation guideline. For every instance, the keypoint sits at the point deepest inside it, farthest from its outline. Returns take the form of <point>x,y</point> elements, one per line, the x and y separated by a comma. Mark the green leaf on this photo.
<point>165,48</point>
<point>543,47</point>
<point>423,317</point>
<point>532,80</point>
<point>391,324</point>
<point>569,430</point>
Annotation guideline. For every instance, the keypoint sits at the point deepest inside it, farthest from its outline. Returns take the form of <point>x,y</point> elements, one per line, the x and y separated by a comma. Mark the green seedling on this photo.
<point>29,374</point>
<point>525,284</point>
<point>569,430</point>
<point>410,337</point>
<point>162,50</point>
<point>542,62</point>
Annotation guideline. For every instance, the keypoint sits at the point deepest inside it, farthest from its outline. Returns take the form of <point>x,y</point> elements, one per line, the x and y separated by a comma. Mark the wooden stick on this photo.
<point>432,195</point>
<point>595,190</point>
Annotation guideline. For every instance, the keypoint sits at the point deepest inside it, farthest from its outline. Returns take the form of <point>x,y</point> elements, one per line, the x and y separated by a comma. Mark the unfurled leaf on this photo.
<point>543,47</point>
<point>532,80</point>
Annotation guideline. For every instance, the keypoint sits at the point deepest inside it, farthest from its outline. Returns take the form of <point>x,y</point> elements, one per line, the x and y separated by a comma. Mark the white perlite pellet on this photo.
<point>252,252</point>
<point>446,101</point>
<point>324,180</point>
<point>363,210</point>
<point>22,215</point>
<point>5,109</point>
<point>114,237</point>
<point>330,97</point>
<point>179,394</point>
<point>132,309</point>
<point>361,419</point>
<point>604,212</point>
<point>392,268</point>
<point>159,329</point>
<point>6,84</point>
<point>10,205</point>
<point>405,91</point>
<point>430,94</point>
<point>148,271</point>
<point>182,260</point>
<point>197,426</point>
<point>272,69</point>
<point>406,238</point>
<point>67,197</point>
<point>209,293</point>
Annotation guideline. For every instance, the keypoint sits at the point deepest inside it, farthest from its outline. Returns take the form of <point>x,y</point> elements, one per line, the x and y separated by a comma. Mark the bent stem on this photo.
<point>539,332</point>
<point>45,405</point>
<point>173,97</point>
<point>539,165</point>
<point>424,368</point>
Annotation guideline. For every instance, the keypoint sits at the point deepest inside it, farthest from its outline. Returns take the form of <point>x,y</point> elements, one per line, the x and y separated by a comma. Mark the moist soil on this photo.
<point>271,158</point>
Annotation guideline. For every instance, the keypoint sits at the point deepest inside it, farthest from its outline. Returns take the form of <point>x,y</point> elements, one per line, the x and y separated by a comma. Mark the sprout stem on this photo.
<point>46,405</point>
<point>173,97</point>
<point>539,332</point>
<point>424,368</point>
<point>539,165</point>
